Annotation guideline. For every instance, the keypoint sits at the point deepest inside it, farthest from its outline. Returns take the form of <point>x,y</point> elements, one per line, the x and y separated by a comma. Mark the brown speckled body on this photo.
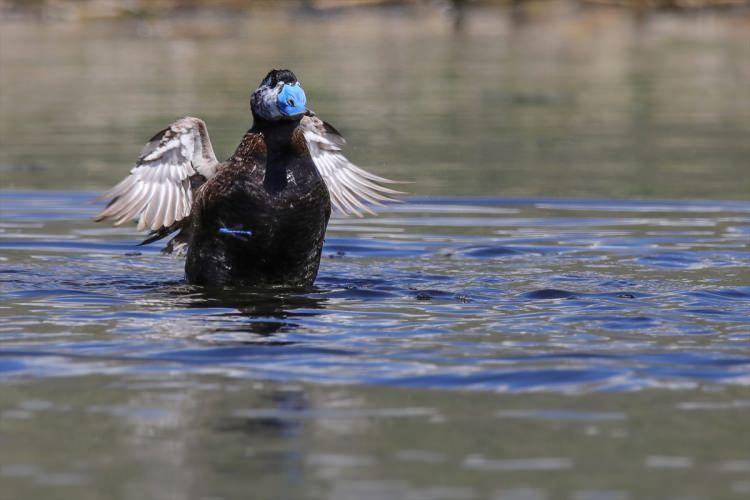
<point>270,187</point>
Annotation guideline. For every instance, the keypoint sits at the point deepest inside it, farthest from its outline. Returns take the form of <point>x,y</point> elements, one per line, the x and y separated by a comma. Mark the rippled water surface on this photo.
<point>421,350</point>
<point>536,322</point>
<point>502,295</point>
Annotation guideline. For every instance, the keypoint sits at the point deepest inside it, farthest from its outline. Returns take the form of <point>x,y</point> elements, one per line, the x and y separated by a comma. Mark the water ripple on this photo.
<point>488,294</point>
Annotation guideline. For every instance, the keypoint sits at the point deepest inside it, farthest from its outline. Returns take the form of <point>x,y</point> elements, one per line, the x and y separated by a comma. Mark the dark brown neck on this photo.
<point>281,152</point>
<point>278,134</point>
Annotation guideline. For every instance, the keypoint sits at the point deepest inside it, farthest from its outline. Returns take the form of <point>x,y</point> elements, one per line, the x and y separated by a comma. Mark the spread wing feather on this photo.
<point>351,188</point>
<point>158,190</point>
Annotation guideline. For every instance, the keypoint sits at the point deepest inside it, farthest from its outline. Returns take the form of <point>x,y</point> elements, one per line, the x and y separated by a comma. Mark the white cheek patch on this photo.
<point>266,102</point>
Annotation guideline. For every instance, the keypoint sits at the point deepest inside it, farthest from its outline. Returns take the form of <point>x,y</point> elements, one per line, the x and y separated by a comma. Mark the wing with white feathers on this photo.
<point>351,188</point>
<point>158,190</point>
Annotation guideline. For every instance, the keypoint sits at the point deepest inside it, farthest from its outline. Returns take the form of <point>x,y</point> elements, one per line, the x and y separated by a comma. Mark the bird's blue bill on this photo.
<point>292,100</point>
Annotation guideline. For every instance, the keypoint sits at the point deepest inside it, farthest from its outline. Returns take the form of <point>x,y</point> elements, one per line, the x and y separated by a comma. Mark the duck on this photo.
<point>258,218</point>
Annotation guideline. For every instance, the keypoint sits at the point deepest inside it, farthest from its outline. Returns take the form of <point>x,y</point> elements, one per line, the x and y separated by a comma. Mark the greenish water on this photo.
<point>173,436</point>
<point>564,104</point>
<point>553,314</point>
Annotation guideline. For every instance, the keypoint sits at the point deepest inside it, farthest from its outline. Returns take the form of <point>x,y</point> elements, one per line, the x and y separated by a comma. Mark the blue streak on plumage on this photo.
<point>243,232</point>
<point>292,100</point>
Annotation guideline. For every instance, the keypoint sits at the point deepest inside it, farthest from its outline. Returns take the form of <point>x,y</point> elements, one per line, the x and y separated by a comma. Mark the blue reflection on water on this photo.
<point>478,294</point>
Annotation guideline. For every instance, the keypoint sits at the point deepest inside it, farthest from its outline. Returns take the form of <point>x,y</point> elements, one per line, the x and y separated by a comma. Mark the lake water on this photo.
<point>559,311</point>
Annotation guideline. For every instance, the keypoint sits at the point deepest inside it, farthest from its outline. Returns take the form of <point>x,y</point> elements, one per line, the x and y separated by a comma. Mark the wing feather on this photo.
<point>157,192</point>
<point>169,210</point>
<point>351,188</point>
<point>134,201</point>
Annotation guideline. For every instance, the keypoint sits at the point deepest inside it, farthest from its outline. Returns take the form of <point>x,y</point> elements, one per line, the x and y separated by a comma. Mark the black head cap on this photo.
<point>278,75</point>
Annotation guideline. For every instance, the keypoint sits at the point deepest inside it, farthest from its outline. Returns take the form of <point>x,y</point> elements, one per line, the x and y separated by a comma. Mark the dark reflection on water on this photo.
<point>267,311</point>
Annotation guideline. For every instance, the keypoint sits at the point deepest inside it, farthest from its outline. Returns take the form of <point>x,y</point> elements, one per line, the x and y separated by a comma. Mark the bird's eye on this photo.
<point>290,102</point>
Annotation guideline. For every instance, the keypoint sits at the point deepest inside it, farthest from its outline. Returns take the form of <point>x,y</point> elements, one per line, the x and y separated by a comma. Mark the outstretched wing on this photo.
<point>350,187</point>
<point>158,191</point>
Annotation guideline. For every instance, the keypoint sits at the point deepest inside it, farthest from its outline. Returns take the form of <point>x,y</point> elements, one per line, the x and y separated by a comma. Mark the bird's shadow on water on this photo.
<point>262,311</point>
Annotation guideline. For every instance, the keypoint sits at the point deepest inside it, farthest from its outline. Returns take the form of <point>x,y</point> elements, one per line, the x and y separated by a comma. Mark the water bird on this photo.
<point>258,218</point>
